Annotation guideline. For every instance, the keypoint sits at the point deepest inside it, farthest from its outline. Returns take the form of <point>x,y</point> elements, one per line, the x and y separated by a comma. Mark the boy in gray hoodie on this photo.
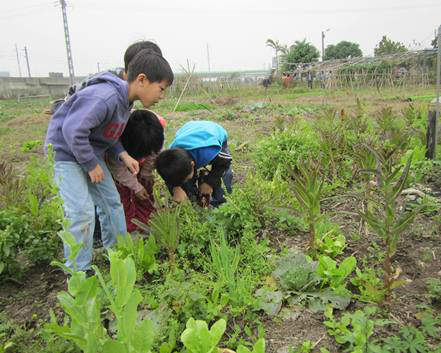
<point>86,126</point>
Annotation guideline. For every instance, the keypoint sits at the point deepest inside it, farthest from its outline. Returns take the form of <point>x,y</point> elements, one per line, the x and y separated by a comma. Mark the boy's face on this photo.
<point>148,92</point>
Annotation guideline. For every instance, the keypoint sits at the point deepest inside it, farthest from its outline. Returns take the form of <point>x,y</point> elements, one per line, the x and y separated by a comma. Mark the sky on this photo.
<point>234,30</point>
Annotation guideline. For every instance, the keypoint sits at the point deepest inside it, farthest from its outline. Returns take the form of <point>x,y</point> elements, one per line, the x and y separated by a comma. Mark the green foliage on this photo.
<point>224,263</point>
<point>385,219</point>
<point>258,347</point>
<point>387,46</point>
<point>328,238</point>
<point>335,276</point>
<point>30,218</point>
<point>164,227</point>
<point>369,285</point>
<point>83,302</point>
<point>190,106</point>
<point>300,52</point>
<point>434,288</point>
<point>353,330</point>
<point>285,149</point>
<point>307,188</point>
<point>142,252</point>
<point>30,145</point>
<point>342,50</point>
<point>197,338</point>
<point>296,272</point>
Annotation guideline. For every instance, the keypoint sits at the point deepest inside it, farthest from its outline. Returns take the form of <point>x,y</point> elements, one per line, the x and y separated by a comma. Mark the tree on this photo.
<point>300,52</point>
<point>388,46</point>
<point>277,47</point>
<point>342,50</point>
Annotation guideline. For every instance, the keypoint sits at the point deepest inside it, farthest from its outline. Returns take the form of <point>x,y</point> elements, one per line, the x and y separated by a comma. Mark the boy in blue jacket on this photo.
<point>85,127</point>
<point>196,145</point>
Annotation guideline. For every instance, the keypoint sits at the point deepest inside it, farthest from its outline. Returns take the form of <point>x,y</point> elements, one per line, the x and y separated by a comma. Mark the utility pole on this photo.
<point>98,66</point>
<point>208,58</point>
<point>323,44</point>
<point>68,46</point>
<point>27,60</point>
<point>18,60</point>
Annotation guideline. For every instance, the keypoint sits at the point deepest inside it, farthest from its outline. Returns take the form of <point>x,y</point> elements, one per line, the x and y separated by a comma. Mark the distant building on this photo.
<point>55,74</point>
<point>5,74</point>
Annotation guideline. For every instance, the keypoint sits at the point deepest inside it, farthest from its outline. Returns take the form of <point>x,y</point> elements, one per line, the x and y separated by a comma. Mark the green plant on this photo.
<point>385,219</point>
<point>30,145</point>
<point>164,227</point>
<point>285,149</point>
<point>224,263</point>
<point>30,218</point>
<point>83,302</point>
<point>142,252</point>
<point>190,106</point>
<point>369,285</point>
<point>329,239</point>
<point>410,340</point>
<point>353,330</point>
<point>197,338</point>
<point>333,275</point>
<point>434,287</point>
<point>296,272</point>
<point>307,187</point>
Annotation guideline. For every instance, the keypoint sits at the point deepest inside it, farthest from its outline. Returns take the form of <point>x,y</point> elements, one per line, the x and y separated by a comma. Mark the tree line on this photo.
<point>304,52</point>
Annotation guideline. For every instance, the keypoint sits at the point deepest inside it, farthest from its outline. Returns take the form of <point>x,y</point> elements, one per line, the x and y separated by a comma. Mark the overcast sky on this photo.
<point>235,30</point>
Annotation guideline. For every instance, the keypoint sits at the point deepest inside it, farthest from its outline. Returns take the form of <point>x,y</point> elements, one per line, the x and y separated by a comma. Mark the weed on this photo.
<point>385,220</point>
<point>307,188</point>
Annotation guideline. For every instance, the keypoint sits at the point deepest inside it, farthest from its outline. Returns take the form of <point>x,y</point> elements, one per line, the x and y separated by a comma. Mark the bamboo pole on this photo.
<point>185,87</point>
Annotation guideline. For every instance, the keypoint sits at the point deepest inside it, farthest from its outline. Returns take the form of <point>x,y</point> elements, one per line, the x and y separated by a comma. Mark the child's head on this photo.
<point>175,166</point>
<point>143,134</point>
<point>149,75</point>
<point>135,48</point>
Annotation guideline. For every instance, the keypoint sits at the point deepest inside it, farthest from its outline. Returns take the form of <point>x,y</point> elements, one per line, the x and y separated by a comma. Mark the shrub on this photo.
<point>284,149</point>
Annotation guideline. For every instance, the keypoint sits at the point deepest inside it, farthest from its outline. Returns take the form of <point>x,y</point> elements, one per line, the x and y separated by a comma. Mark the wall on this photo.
<point>13,87</point>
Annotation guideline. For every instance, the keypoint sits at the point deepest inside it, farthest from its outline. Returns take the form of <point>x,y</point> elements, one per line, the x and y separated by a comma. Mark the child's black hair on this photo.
<point>151,64</point>
<point>143,134</point>
<point>135,48</point>
<point>174,166</point>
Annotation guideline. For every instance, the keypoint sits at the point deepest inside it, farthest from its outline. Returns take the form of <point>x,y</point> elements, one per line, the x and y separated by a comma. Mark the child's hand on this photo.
<point>97,174</point>
<point>142,194</point>
<point>130,162</point>
<point>205,189</point>
<point>179,194</point>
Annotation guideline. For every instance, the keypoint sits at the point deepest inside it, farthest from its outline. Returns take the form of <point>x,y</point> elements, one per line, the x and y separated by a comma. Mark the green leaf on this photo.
<point>197,338</point>
<point>111,346</point>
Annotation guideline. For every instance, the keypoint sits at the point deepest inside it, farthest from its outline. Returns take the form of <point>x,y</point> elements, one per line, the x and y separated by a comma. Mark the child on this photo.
<point>130,53</point>
<point>196,145</point>
<point>86,126</point>
<point>142,138</point>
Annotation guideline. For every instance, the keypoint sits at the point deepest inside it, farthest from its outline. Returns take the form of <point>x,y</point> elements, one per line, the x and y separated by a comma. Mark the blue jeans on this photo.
<point>80,196</point>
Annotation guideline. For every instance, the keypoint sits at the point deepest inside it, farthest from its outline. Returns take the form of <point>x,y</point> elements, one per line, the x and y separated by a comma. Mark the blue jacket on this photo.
<point>91,121</point>
<point>202,139</point>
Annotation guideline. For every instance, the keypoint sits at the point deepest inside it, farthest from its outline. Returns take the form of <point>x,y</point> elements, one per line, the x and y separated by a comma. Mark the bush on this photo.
<point>30,218</point>
<point>285,149</point>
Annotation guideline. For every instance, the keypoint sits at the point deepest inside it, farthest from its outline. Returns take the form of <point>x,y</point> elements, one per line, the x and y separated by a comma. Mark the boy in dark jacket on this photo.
<point>82,130</point>
<point>197,144</point>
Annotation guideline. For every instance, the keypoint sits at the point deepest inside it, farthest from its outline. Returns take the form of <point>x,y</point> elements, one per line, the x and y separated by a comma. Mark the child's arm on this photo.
<point>123,176</point>
<point>219,166</point>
